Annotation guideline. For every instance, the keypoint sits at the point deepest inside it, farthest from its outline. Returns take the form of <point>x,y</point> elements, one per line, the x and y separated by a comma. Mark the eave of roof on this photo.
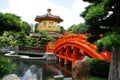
<point>48,17</point>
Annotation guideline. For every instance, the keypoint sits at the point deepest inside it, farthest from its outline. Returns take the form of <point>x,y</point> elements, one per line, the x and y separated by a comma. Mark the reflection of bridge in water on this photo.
<point>75,47</point>
<point>66,70</point>
<point>60,69</point>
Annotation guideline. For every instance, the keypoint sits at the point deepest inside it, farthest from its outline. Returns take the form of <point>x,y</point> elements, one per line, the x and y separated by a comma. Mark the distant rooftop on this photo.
<point>48,16</point>
<point>51,34</point>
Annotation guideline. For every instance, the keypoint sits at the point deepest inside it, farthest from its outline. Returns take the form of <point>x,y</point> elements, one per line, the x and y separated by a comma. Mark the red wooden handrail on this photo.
<point>79,42</point>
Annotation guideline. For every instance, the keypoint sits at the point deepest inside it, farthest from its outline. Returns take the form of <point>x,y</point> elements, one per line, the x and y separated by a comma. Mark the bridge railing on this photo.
<point>73,37</point>
<point>82,39</point>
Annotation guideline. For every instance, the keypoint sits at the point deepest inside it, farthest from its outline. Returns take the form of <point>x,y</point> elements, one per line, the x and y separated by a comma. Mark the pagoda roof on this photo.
<point>52,34</point>
<point>48,16</point>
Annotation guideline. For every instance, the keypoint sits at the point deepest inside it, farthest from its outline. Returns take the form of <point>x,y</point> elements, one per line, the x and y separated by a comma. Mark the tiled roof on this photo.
<point>48,16</point>
<point>51,34</point>
<point>54,34</point>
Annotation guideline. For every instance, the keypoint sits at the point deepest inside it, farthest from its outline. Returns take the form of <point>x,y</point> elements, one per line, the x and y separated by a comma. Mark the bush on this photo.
<point>98,68</point>
<point>5,66</point>
<point>93,38</point>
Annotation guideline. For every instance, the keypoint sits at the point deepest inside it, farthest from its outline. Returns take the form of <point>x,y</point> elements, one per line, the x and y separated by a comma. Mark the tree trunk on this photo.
<point>114,72</point>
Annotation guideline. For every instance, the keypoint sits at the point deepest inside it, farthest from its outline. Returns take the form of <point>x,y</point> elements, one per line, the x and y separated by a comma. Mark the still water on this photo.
<point>39,69</point>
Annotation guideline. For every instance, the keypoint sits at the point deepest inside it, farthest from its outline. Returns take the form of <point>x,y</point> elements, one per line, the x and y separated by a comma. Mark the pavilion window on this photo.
<point>51,22</point>
<point>49,26</point>
<point>44,23</point>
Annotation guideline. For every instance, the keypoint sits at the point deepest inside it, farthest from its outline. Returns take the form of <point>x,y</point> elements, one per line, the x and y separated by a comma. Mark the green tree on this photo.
<point>12,22</point>
<point>103,16</point>
<point>95,14</point>
<point>25,27</point>
<point>8,39</point>
<point>23,39</point>
<point>6,66</point>
<point>44,38</point>
<point>9,22</point>
<point>62,30</point>
<point>71,27</point>
<point>36,25</point>
<point>80,28</point>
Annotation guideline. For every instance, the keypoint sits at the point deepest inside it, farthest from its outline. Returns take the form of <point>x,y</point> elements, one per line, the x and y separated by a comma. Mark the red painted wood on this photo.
<point>75,47</point>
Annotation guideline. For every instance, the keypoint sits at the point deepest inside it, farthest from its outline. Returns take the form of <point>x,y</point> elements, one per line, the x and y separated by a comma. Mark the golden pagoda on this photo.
<point>49,23</point>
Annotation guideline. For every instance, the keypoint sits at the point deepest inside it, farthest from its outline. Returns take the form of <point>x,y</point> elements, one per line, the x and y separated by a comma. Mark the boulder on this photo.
<point>80,71</point>
<point>11,77</point>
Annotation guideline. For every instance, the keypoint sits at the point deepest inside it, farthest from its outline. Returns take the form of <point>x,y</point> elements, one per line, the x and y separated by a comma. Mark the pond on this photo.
<point>39,69</point>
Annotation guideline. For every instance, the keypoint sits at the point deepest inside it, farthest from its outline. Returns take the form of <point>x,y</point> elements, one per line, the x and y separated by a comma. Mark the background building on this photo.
<point>49,23</point>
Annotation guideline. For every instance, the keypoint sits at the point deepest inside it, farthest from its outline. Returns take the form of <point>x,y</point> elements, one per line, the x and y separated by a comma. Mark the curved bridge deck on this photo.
<point>75,47</point>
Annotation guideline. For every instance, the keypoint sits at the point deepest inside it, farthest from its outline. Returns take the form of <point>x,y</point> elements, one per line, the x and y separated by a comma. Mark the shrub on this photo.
<point>93,38</point>
<point>5,66</point>
<point>98,68</point>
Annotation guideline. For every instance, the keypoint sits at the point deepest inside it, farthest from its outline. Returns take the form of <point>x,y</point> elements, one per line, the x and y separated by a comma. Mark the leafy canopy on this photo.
<point>80,28</point>
<point>103,17</point>
<point>12,22</point>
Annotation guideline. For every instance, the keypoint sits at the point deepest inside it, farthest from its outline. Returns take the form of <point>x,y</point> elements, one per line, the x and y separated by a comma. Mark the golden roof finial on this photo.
<point>49,10</point>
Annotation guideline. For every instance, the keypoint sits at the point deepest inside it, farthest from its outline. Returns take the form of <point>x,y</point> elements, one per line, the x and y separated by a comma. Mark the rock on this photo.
<point>11,77</point>
<point>80,71</point>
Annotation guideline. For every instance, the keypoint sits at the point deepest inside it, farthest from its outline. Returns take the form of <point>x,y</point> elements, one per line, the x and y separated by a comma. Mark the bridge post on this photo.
<point>60,53</point>
<point>66,55</point>
<point>75,47</point>
<point>75,51</point>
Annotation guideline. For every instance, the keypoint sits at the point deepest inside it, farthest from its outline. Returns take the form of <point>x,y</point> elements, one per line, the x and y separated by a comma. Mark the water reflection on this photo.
<point>39,69</point>
<point>33,73</point>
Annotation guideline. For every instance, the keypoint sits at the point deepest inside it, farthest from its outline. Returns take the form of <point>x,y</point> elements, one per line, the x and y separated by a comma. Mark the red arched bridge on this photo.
<point>75,47</point>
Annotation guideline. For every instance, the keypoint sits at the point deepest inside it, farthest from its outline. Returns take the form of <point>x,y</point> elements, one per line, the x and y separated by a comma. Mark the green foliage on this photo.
<point>96,16</point>
<point>47,75</point>
<point>62,30</point>
<point>9,22</point>
<point>80,28</point>
<point>70,28</point>
<point>96,9</point>
<point>12,22</point>
<point>14,39</point>
<point>102,16</point>
<point>109,42</point>
<point>25,27</point>
<point>7,39</point>
<point>34,42</point>
<point>44,38</point>
<point>107,20</point>
<point>93,38</point>
<point>5,66</point>
<point>22,39</point>
<point>36,25</point>
<point>98,68</point>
